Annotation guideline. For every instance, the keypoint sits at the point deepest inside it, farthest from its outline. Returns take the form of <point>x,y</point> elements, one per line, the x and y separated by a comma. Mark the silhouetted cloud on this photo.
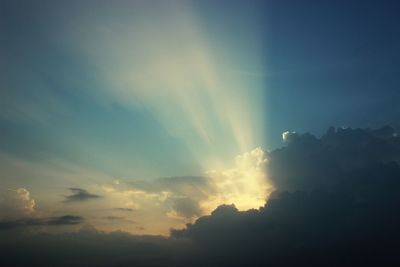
<point>52,221</point>
<point>86,247</point>
<point>309,162</point>
<point>336,204</point>
<point>79,194</point>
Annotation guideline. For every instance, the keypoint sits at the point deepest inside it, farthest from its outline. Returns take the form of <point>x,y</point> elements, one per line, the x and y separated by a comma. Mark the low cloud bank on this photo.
<point>336,204</point>
<point>52,221</point>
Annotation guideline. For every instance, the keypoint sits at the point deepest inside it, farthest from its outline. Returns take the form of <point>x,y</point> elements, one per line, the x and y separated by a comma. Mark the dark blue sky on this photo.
<point>326,62</point>
<point>332,63</point>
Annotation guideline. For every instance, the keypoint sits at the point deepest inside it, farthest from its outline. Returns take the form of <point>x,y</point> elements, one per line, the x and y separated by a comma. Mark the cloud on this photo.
<point>65,220</point>
<point>287,136</point>
<point>24,196</point>
<point>309,162</point>
<point>245,184</point>
<point>16,203</point>
<point>178,200</point>
<point>170,198</point>
<point>79,195</point>
<point>337,204</point>
<point>336,201</point>
<point>186,207</point>
<point>87,247</point>
<point>52,221</point>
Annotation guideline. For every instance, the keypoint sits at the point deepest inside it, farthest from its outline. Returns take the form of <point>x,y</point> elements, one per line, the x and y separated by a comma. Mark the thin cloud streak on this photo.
<point>52,221</point>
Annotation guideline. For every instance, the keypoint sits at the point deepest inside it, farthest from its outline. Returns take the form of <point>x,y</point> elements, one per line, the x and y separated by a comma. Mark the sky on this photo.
<point>143,116</point>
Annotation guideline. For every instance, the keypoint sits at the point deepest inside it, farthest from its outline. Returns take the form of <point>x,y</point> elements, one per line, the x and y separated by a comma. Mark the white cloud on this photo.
<point>286,136</point>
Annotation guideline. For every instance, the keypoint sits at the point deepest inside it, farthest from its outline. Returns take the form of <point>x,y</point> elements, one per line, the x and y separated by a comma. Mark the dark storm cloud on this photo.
<point>79,194</point>
<point>89,247</point>
<point>52,221</point>
<point>309,162</point>
<point>336,204</point>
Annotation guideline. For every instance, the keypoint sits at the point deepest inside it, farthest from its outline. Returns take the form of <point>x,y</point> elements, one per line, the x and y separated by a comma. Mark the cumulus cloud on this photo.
<point>336,201</point>
<point>309,162</point>
<point>287,136</point>
<point>79,194</point>
<point>16,203</point>
<point>336,204</point>
<point>18,211</point>
<point>29,203</point>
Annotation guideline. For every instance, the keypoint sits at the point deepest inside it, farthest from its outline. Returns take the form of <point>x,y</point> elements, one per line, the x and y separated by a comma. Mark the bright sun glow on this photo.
<point>204,103</point>
<point>245,185</point>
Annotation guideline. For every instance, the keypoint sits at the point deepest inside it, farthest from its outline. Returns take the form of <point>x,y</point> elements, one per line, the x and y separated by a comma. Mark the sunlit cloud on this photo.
<point>176,201</point>
<point>245,184</point>
<point>287,136</point>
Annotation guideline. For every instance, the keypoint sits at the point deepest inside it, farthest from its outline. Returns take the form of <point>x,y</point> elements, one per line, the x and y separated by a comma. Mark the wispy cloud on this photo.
<point>52,221</point>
